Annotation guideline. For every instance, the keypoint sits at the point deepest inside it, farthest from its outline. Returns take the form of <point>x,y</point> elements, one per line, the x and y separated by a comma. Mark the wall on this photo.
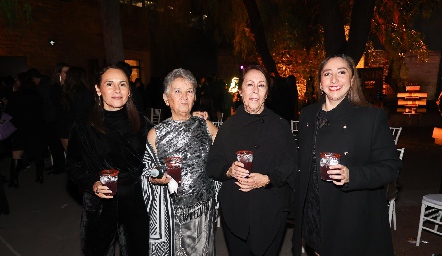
<point>75,27</point>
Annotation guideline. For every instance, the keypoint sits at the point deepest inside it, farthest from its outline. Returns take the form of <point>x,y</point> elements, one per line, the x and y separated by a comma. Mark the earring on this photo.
<point>99,100</point>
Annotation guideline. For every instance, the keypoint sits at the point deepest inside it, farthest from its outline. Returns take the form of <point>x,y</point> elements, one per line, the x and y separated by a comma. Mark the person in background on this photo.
<point>137,97</point>
<point>76,102</point>
<point>189,137</point>
<point>49,117</point>
<point>55,92</point>
<point>347,215</point>
<point>4,204</point>
<point>26,108</point>
<point>113,138</point>
<point>254,205</point>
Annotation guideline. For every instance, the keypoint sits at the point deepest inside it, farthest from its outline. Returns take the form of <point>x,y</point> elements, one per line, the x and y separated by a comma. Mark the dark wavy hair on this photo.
<point>97,114</point>
<point>355,94</point>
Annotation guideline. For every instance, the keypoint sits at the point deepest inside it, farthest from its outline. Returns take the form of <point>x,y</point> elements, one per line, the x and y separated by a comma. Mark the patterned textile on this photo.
<point>158,204</point>
<point>194,203</point>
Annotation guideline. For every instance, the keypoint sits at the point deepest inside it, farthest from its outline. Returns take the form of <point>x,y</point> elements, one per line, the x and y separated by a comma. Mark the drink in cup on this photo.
<point>245,157</point>
<point>109,178</point>
<point>173,165</point>
<point>327,159</point>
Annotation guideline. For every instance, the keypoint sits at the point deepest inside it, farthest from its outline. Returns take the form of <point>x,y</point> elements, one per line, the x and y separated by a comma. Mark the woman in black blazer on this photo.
<point>254,206</point>
<point>348,215</point>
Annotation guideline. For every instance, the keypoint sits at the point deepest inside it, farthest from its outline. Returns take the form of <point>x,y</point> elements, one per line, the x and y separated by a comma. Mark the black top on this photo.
<point>91,151</point>
<point>275,155</point>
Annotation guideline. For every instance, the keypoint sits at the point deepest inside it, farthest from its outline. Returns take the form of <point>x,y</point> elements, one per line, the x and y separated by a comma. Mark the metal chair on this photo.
<point>433,214</point>
<point>396,131</point>
<point>392,197</point>
<point>218,124</point>
<point>155,115</point>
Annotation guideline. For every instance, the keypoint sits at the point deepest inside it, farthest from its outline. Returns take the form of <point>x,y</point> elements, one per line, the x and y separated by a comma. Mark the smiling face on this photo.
<point>254,91</point>
<point>336,80</point>
<point>114,88</point>
<point>180,97</point>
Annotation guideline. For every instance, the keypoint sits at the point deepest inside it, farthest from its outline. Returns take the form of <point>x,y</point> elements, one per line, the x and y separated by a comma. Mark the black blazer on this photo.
<point>354,217</point>
<point>257,213</point>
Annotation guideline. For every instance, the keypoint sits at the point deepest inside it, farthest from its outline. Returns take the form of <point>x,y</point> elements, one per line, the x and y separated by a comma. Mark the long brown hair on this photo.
<point>97,115</point>
<point>355,94</point>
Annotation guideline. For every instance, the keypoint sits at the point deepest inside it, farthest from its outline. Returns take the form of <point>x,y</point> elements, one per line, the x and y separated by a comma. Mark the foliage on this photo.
<point>294,34</point>
<point>15,13</point>
<point>392,23</point>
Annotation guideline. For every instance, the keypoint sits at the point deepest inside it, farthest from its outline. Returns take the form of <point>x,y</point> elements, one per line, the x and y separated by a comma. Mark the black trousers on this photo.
<point>239,247</point>
<point>55,147</point>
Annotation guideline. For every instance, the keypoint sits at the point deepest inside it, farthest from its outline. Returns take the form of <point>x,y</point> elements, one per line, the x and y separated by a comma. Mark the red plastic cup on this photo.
<point>245,157</point>
<point>109,178</point>
<point>173,166</point>
<point>327,159</point>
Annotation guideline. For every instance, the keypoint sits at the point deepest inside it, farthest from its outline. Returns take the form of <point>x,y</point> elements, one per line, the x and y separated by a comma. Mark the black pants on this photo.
<point>55,146</point>
<point>240,247</point>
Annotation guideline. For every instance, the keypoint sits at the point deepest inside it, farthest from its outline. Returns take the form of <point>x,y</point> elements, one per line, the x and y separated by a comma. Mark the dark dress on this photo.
<point>26,108</point>
<point>352,219</point>
<point>260,215</point>
<point>124,216</point>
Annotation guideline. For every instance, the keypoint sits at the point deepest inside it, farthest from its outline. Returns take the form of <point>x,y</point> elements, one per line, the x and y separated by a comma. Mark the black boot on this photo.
<point>39,167</point>
<point>14,170</point>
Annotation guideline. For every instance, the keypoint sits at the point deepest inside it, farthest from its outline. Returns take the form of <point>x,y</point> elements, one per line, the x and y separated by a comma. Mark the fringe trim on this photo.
<point>184,214</point>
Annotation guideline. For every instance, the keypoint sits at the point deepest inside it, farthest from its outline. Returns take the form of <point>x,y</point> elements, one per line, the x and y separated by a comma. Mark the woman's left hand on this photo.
<point>340,174</point>
<point>202,114</point>
<point>163,181</point>
<point>255,180</point>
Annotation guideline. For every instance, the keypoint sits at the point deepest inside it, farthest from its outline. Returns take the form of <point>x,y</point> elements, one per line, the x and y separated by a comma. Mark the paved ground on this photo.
<point>45,218</point>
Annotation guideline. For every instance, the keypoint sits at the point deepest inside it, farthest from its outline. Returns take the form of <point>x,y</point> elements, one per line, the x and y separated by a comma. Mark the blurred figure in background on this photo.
<point>26,108</point>
<point>52,141</point>
<point>76,102</point>
<point>55,143</point>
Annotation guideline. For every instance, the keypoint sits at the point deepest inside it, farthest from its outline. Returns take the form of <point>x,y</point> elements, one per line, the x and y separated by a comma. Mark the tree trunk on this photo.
<point>361,16</point>
<point>333,24</point>
<point>111,27</point>
<point>334,33</point>
<point>257,29</point>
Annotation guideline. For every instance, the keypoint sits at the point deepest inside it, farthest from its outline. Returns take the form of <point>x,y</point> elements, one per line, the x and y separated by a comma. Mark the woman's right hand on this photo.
<point>101,190</point>
<point>163,181</point>
<point>237,170</point>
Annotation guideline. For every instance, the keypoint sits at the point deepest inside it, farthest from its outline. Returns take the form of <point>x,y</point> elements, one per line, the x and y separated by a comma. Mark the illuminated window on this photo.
<point>136,69</point>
